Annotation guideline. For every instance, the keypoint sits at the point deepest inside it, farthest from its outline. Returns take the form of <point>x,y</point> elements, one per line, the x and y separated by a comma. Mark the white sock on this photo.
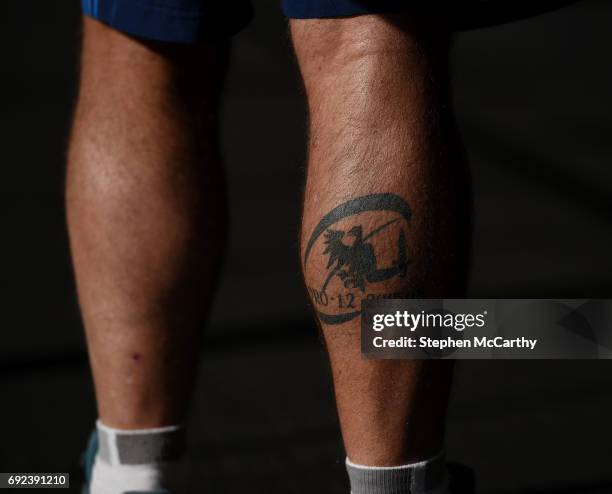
<point>424,477</point>
<point>139,460</point>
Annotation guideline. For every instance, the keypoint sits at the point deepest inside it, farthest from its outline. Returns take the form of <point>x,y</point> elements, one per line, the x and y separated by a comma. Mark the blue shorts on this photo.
<point>192,21</point>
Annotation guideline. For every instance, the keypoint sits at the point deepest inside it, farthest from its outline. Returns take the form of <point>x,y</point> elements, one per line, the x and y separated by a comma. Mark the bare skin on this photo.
<point>382,142</point>
<point>146,218</point>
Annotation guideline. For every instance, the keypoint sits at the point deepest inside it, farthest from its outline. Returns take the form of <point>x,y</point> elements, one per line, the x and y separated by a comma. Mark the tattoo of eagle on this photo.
<point>356,264</point>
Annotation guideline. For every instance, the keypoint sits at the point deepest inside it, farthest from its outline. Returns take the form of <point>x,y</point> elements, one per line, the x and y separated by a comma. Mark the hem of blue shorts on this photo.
<point>141,19</point>
<point>320,9</point>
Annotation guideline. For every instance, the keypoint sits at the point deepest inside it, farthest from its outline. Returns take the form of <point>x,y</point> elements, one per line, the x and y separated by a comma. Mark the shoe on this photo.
<point>88,459</point>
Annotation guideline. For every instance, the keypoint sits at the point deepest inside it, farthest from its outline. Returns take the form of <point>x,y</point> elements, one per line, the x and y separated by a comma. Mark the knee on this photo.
<point>324,47</point>
<point>116,67</point>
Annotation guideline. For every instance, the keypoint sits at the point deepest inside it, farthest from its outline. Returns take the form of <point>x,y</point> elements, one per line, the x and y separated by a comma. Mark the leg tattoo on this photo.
<point>354,248</point>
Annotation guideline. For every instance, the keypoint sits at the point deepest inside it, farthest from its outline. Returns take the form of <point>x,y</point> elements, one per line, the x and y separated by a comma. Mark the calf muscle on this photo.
<point>385,214</point>
<point>145,207</point>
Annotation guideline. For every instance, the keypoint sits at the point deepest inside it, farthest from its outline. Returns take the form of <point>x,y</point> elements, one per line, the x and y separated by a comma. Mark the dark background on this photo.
<point>534,102</point>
